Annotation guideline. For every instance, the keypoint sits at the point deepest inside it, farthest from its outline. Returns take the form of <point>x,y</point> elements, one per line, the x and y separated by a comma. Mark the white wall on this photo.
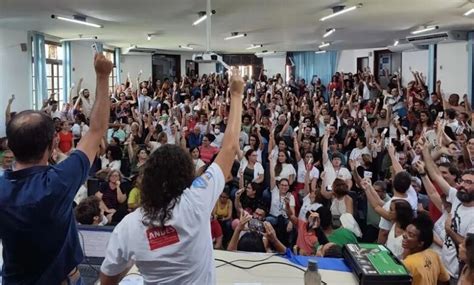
<point>452,67</point>
<point>133,64</point>
<point>207,68</point>
<point>417,61</point>
<point>274,65</point>
<point>82,63</point>
<point>348,59</point>
<point>14,73</point>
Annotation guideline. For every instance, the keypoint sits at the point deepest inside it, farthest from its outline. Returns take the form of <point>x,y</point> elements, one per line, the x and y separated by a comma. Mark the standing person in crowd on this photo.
<point>466,255</point>
<point>174,217</point>
<point>460,221</point>
<point>38,231</point>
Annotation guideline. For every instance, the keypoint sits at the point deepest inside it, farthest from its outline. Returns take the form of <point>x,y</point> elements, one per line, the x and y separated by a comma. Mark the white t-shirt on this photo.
<point>331,173</point>
<point>278,205</point>
<point>356,155</point>
<point>411,198</point>
<point>257,169</point>
<point>198,163</point>
<point>154,146</point>
<point>287,169</point>
<point>462,223</point>
<point>113,165</point>
<point>307,206</point>
<point>395,243</point>
<point>218,140</point>
<point>77,132</point>
<point>181,253</point>
<point>314,173</point>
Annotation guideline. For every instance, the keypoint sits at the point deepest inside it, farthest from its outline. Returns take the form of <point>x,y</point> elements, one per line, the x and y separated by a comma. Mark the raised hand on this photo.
<point>420,166</point>
<point>237,84</point>
<point>270,233</point>
<point>102,65</point>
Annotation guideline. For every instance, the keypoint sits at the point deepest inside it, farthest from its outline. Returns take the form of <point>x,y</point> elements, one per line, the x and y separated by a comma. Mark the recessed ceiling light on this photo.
<point>469,12</point>
<point>329,32</point>
<point>77,20</point>
<point>340,12</point>
<point>235,35</point>
<point>254,46</point>
<point>424,30</point>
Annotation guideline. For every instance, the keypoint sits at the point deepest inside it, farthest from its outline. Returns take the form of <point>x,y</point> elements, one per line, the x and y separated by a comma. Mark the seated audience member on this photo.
<point>400,215</point>
<point>246,199</point>
<point>206,150</point>
<point>137,158</point>
<point>281,198</point>
<point>424,264</point>
<point>110,194</point>
<point>223,212</point>
<point>305,165</point>
<point>306,238</point>
<point>335,237</point>
<point>250,169</point>
<point>338,194</point>
<point>199,165</point>
<point>66,141</point>
<point>216,234</point>
<point>259,236</point>
<point>88,212</point>
<point>283,168</point>
<point>110,160</point>
<point>466,255</point>
<point>134,197</point>
<point>7,161</point>
<point>334,168</point>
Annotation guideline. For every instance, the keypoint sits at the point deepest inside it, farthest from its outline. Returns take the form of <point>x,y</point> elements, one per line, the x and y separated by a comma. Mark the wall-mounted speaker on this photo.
<point>23,47</point>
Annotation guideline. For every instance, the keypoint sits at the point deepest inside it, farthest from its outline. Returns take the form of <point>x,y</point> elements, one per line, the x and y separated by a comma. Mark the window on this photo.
<point>54,73</point>
<point>110,55</point>
<point>245,70</point>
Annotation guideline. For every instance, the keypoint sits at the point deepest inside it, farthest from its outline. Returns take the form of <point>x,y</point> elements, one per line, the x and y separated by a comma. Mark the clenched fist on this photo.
<point>102,65</point>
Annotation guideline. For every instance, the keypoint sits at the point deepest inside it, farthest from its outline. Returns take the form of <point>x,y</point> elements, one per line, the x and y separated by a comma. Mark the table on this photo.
<point>274,274</point>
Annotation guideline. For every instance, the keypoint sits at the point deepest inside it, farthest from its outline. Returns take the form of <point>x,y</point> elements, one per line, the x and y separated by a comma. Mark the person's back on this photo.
<point>36,241</point>
<point>182,247</point>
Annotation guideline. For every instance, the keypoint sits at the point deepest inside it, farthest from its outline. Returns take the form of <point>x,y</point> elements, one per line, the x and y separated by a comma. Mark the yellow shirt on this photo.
<point>426,268</point>
<point>134,196</point>
<point>223,211</point>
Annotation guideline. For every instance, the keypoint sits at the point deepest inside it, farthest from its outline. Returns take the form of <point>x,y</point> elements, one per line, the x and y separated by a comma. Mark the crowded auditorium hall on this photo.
<point>237,142</point>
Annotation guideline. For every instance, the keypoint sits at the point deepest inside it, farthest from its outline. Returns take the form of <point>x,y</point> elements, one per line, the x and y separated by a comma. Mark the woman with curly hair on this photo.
<point>169,236</point>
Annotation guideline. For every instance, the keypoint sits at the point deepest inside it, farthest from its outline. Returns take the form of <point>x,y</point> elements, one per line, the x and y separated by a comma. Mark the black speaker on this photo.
<point>23,47</point>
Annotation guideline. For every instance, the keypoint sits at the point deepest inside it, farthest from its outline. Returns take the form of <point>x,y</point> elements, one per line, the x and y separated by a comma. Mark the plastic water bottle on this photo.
<point>312,276</point>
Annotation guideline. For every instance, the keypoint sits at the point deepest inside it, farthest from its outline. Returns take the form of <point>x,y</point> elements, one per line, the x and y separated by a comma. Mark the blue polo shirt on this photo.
<point>37,226</point>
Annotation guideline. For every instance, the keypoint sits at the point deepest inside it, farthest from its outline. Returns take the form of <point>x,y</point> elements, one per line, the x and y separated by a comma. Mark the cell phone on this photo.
<point>368,174</point>
<point>402,137</point>
<point>256,226</point>
<point>387,142</point>
<point>440,114</point>
<point>410,133</point>
<point>329,188</point>
<point>365,118</point>
<point>384,132</point>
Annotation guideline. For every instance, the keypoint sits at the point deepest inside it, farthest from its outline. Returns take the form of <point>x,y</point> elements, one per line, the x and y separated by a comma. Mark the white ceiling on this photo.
<point>280,25</point>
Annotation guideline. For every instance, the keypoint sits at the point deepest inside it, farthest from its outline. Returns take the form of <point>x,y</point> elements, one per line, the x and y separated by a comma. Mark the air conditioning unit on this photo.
<point>407,47</point>
<point>435,38</point>
<point>138,50</point>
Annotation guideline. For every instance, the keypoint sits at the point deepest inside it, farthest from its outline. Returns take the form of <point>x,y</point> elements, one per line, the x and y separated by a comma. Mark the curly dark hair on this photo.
<point>166,174</point>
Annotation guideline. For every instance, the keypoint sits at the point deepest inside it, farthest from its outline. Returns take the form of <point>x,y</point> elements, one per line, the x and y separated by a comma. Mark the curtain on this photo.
<point>309,64</point>
<point>39,63</point>
<point>117,55</point>
<point>67,70</point>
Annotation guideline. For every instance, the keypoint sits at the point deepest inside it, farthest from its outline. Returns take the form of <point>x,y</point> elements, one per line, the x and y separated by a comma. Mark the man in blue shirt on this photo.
<point>37,226</point>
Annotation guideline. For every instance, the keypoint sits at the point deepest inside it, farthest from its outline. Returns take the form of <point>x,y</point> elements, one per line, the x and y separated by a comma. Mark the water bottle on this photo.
<point>312,276</point>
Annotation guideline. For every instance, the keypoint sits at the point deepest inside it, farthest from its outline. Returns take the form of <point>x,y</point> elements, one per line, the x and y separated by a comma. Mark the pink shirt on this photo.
<point>207,153</point>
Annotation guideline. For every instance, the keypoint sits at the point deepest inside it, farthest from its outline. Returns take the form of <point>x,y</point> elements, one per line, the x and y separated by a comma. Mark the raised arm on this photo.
<point>374,199</point>
<point>325,148</point>
<point>433,170</point>
<point>230,142</point>
<point>99,118</point>
<point>429,187</point>
<point>8,109</point>
<point>397,167</point>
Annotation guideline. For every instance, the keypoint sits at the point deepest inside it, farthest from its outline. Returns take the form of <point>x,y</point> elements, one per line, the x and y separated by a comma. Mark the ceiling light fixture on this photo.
<point>235,35</point>
<point>323,45</point>
<point>77,19</point>
<point>339,10</point>
<point>148,37</point>
<point>424,30</point>
<point>186,47</point>
<point>254,46</point>
<point>320,51</point>
<point>395,43</point>
<point>202,16</point>
<point>264,52</point>
<point>469,12</point>
<point>80,38</point>
<point>329,32</point>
